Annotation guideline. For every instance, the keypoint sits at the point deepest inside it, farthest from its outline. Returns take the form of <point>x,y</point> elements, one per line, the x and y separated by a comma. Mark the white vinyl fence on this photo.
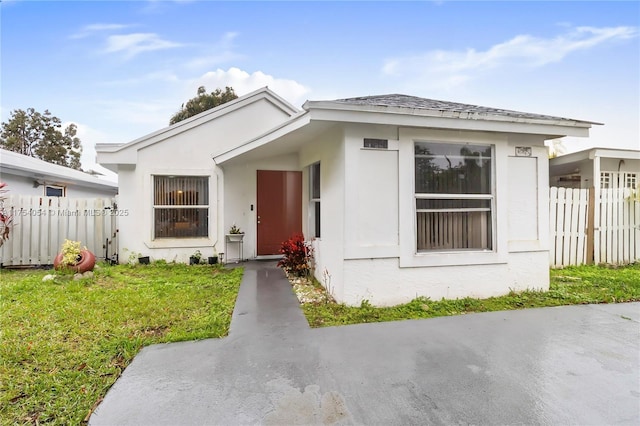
<point>585,230</point>
<point>41,224</point>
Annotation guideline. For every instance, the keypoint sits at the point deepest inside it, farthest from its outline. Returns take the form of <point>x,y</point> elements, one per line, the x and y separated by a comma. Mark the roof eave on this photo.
<point>114,154</point>
<point>549,130</point>
<point>476,116</point>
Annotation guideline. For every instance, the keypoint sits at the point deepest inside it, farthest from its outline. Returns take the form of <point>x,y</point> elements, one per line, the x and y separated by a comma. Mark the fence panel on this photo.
<point>568,217</point>
<point>41,224</point>
<point>616,237</point>
<point>619,227</point>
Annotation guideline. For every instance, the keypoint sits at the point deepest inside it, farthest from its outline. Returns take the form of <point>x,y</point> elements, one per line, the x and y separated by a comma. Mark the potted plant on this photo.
<point>214,259</point>
<point>74,258</point>
<point>235,234</point>
<point>195,258</point>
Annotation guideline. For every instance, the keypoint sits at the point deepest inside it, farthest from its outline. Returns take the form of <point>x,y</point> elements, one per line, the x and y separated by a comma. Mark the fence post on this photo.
<point>591,224</point>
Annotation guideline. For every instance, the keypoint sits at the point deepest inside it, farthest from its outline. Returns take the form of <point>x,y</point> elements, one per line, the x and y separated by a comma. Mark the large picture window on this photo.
<point>453,196</point>
<point>181,206</point>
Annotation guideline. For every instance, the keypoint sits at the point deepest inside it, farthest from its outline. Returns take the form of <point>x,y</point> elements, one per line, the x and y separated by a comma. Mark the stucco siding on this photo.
<point>371,202</point>
<point>23,185</point>
<point>190,154</point>
<point>383,283</point>
<point>20,185</point>
<point>329,248</point>
<point>618,165</point>
<point>378,231</point>
<point>131,234</point>
<point>240,194</point>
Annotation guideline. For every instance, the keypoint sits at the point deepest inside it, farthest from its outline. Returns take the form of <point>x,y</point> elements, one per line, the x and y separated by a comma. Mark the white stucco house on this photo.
<point>402,196</point>
<point>26,175</point>
<point>601,168</point>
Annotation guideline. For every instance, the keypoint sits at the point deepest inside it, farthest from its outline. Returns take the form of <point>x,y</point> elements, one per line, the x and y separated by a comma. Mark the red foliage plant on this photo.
<point>298,255</point>
<point>6,220</point>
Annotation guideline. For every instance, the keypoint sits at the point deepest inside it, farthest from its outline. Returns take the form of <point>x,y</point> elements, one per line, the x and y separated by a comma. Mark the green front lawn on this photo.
<point>64,343</point>
<point>569,286</point>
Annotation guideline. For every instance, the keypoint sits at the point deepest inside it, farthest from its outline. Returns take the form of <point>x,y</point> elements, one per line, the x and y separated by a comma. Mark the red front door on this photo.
<point>279,212</point>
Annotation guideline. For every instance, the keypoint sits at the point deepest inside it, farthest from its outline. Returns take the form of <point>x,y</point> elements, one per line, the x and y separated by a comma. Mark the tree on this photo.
<point>556,147</point>
<point>41,136</point>
<point>203,102</point>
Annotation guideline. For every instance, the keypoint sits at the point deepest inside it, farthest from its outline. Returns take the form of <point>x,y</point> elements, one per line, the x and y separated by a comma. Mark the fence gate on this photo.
<point>41,224</point>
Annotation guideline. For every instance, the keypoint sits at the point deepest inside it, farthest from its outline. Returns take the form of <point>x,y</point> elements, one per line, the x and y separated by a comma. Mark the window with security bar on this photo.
<point>181,206</point>
<point>454,196</point>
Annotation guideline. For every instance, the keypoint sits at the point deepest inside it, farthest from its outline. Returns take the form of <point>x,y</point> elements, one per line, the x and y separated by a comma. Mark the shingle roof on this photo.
<point>414,102</point>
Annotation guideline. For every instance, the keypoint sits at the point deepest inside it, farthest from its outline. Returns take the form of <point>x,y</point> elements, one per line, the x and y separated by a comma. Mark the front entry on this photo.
<point>279,212</point>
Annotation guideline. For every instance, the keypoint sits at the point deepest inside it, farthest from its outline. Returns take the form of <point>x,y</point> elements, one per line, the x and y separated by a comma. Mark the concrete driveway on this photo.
<point>566,365</point>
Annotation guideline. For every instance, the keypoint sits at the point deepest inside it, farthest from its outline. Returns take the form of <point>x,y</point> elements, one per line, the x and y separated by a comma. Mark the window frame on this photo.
<point>155,207</point>
<point>315,206</point>
<point>56,187</point>
<point>406,200</point>
<point>490,196</point>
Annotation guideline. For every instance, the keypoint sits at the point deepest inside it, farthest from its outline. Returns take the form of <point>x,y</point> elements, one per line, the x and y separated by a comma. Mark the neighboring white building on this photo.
<point>612,168</point>
<point>403,196</point>
<point>26,175</point>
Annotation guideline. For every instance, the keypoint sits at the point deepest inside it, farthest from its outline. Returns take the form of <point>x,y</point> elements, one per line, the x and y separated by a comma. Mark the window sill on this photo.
<point>179,243</point>
<point>451,259</point>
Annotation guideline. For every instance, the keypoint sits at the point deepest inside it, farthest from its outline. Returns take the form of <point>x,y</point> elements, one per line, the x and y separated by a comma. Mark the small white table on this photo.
<point>238,240</point>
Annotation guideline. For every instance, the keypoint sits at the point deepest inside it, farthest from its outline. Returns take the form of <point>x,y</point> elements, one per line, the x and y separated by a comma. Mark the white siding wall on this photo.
<point>329,253</point>
<point>131,235</point>
<point>383,283</point>
<point>188,153</point>
<point>24,186</point>
<point>385,273</point>
<point>615,165</point>
<point>240,192</point>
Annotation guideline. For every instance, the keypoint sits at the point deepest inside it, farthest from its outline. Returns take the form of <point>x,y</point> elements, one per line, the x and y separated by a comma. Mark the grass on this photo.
<point>569,286</point>
<point>65,342</point>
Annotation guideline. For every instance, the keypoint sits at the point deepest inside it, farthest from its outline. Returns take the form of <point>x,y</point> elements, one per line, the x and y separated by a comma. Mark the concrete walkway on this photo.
<point>567,365</point>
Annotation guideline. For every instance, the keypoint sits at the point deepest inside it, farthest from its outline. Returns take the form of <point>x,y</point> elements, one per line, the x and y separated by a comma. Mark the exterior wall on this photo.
<point>383,283</point>
<point>240,194</point>
<point>21,185</point>
<point>617,165</point>
<point>131,201</point>
<point>328,149</point>
<point>188,154</point>
<point>24,185</point>
<point>380,260</point>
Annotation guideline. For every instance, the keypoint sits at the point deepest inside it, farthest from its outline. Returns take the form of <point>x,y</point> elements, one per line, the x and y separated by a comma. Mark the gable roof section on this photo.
<point>110,154</point>
<point>398,102</point>
<point>412,111</point>
<point>23,165</point>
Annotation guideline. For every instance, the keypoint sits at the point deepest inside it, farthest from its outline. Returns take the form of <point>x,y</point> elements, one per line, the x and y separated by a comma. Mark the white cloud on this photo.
<point>135,43</point>
<point>221,52</point>
<point>243,82</point>
<point>146,116</point>
<point>91,29</point>
<point>454,67</point>
<point>156,76</point>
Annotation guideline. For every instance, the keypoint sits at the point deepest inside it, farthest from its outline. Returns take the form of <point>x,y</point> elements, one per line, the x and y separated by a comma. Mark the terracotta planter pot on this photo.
<point>86,262</point>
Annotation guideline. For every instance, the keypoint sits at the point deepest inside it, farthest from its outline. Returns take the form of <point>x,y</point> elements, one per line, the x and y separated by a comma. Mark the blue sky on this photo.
<point>120,69</point>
